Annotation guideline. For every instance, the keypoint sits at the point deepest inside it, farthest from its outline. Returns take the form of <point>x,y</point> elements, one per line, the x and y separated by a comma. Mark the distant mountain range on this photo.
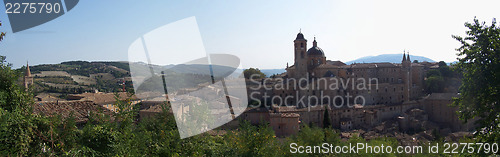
<point>270,72</point>
<point>391,58</point>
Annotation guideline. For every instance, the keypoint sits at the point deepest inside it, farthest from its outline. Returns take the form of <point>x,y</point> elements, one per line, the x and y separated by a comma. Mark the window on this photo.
<point>301,44</point>
<point>302,54</point>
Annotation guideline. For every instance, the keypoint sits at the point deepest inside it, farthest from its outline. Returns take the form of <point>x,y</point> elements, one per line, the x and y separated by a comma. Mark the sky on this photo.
<point>259,32</point>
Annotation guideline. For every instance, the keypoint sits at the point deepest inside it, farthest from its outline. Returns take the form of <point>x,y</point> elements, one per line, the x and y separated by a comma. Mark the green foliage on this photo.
<point>479,62</point>
<point>58,80</point>
<point>11,94</point>
<point>2,34</point>
<point>433,72</point>
<point>326,119</point>
<point>83,68</point>
<point>441,80</point>
<point>442,64</point>
<point>309,136</point>
<point>16,126</point>
<point>252,141</point>
<point>434,84</point>
<point>253,73</point>
<point>121,65</point>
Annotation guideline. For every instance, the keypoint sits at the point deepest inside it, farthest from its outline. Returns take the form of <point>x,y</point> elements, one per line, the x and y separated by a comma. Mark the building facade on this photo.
<point>368,94</point>
<point>377,83</point>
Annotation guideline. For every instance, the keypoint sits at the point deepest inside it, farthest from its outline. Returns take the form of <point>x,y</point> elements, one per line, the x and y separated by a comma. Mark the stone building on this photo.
<point>256,115</point>
<point>439,110</point>
<point>369,93</point>
<point>377,83</point>
<point>364,117</point>
<point>312,115</point>
<point>284,124</point>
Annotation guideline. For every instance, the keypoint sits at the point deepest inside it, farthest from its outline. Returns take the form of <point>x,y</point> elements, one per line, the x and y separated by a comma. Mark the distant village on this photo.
<point>382,99</point>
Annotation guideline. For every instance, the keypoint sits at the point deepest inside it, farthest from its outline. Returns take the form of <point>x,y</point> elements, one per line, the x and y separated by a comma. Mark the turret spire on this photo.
<point>28,72</point>
<point>315,44</point>
<point>408,59</point>
<point>404,55</point>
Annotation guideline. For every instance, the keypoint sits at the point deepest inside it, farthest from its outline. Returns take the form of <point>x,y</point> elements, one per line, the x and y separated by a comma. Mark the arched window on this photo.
<point>301,44</point>
<point>302,54</point>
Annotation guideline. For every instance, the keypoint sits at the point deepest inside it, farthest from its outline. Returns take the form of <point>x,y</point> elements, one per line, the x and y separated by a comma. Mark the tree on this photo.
<point>2,34</point>
<point>479,62</point>
<point>434,84</point>
<point>441,80</point>
<point>442,64</point>
<point>433,72</point>
<point>253,73</point>
<point>445,70</point>
<point>326,119</point>
<point>16,121</point>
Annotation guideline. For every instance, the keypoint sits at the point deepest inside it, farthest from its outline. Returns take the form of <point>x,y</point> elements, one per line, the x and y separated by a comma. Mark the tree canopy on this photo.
<point>253,73</point>
<point>479,62</point>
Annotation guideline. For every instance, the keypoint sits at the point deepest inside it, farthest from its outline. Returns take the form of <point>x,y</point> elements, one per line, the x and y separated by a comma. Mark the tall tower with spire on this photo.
<point>406,76</point>
<point>28,78</point>
<point>300,47</point>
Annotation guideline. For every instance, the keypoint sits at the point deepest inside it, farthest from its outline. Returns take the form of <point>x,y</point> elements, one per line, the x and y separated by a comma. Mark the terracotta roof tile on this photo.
<point>103,98</point>
<point>80,109</point>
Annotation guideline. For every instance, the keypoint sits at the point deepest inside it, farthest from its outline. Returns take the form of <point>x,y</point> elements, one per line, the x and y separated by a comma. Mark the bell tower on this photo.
<point>28,79</point>
<point>300,47</point>
<point>406,76</point>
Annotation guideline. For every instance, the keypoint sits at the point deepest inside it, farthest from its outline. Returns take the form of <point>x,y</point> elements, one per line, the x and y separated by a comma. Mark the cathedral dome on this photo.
<point>316,51</point>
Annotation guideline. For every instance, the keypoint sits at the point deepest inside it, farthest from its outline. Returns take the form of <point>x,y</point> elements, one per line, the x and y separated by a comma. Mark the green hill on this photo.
<point>80,76</point>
